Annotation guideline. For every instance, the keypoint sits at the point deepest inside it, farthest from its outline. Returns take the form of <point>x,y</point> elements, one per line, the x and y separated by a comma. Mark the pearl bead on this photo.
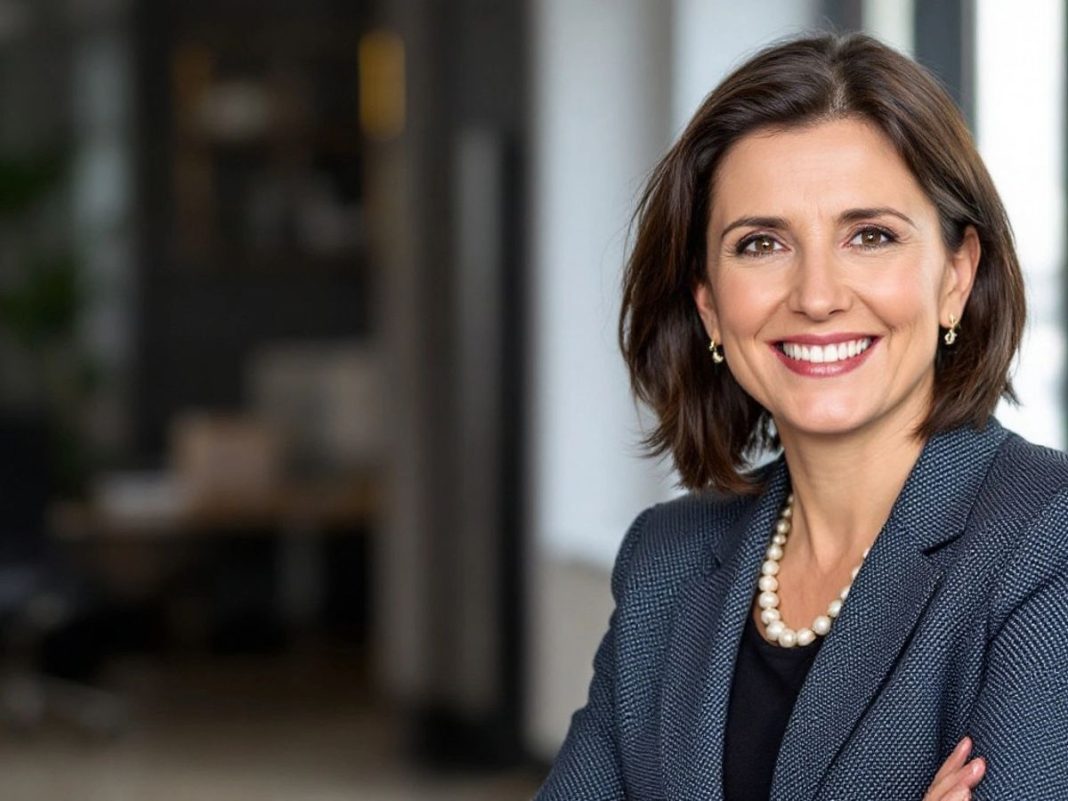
<point>766,600</point>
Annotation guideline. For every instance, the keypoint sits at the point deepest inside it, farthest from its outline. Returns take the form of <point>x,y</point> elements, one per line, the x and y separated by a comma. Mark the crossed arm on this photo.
<point>1020,719</point>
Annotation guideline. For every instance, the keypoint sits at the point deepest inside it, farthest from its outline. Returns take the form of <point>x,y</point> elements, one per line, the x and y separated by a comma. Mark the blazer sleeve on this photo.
<point>1019,723</point>
<point>588,765</point>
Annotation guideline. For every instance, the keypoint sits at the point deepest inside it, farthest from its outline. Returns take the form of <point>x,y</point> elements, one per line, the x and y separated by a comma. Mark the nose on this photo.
<point>818,289</point>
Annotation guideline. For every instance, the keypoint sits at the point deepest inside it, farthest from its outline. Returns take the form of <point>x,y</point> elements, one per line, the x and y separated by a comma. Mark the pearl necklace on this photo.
<point>768,600</point>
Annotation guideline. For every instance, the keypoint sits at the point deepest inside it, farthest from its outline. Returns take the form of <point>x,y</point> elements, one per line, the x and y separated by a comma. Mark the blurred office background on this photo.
<point>315,445</point>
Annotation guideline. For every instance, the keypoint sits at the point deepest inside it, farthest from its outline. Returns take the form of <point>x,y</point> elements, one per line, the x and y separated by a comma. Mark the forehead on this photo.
<point>817,169</point>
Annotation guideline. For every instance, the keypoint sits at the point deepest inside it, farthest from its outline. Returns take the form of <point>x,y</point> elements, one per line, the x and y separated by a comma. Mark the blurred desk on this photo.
<point>139,550</point>
<point>346,502</point>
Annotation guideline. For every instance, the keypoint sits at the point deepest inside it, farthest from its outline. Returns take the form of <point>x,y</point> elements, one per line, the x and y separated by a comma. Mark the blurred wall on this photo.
<point>449,211</point>
<point>1020,131</point>
<point>104,107</point>
<point>601,98</point>
<point>709,39</point>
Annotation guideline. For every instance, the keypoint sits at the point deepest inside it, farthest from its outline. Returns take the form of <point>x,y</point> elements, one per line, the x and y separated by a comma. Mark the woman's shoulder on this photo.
<point>1026,481</point>
<point>672,540</point>
<point>1023,516</point>
<point>1027,458</point>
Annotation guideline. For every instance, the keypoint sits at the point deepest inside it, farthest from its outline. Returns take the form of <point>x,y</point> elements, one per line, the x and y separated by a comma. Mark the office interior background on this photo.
<point>315,444</point>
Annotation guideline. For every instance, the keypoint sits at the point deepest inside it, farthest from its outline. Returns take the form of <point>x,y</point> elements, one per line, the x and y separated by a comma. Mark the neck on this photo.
<point>844,488</point>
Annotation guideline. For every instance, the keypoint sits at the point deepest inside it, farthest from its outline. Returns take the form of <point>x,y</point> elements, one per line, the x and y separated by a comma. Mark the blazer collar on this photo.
<point>885,601</point>
<point>963,453</point>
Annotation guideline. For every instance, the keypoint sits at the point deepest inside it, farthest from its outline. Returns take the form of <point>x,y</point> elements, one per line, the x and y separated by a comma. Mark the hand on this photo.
<point>955,780</point>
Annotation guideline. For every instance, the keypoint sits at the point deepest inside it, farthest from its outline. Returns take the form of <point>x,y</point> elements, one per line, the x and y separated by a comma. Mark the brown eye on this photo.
<point>761,245</point>
<point>873,237</point>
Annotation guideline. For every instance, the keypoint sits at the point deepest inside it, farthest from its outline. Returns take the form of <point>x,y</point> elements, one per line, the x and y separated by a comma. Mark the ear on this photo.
<point>959,277</point>
<point>706,307</point>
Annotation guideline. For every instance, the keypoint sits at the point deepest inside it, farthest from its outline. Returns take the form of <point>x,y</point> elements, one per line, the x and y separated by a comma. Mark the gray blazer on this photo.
<point>956,624</point>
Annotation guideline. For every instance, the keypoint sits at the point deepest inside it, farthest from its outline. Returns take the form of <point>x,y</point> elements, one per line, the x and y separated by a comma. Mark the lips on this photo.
<point>825,356</point>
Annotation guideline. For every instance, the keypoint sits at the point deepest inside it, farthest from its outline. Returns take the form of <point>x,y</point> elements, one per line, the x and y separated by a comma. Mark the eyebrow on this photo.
<point>847,216</point>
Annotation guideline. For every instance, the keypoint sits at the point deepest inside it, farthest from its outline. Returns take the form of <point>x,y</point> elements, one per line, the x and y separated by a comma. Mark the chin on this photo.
<point>825,420</point>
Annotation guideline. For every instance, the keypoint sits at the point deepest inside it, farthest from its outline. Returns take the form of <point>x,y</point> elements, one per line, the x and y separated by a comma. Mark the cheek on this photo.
<point>745,304</point>
<point>904,295</point>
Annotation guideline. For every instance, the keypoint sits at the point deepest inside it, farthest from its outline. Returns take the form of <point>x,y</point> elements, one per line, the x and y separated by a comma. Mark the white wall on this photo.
<point>892,21</point>
<point>712,38</point>
<point>600,121</point>
<point>601,118</point>
<point>1020,56</point>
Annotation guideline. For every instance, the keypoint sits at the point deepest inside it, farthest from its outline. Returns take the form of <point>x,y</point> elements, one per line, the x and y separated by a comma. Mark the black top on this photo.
<point>767,679</point>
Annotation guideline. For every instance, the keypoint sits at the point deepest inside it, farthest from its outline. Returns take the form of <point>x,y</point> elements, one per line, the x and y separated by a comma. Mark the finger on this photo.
<point>948,776</point>
<point>960,784</point>
<point>954,761</point>
<point>973,773</point>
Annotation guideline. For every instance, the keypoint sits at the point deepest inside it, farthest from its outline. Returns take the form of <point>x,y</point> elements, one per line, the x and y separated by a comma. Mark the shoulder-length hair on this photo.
<point>708,424</point>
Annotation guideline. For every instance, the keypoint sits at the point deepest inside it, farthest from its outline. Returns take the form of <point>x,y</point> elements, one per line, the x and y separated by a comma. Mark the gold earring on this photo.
<point>717,357</point>
<point>951,334</point>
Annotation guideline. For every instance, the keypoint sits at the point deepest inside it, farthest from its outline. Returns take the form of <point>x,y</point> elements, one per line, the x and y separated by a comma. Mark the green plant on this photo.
<point>43,367</point>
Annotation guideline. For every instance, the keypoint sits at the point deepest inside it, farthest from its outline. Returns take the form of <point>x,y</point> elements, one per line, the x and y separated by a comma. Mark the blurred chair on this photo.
<point>49,630</point>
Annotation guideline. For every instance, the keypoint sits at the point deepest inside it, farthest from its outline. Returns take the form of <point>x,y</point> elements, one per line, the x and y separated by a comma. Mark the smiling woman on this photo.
<point>824,274</point>
<point>841,261</point>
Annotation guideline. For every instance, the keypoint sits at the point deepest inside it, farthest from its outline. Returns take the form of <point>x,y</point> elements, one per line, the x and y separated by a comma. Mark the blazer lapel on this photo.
<point>885,601</point>
<point>710,615</point>
<point>864,643</point>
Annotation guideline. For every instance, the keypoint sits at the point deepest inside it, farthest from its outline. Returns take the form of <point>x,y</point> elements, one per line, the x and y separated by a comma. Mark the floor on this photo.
<point>229,729</point>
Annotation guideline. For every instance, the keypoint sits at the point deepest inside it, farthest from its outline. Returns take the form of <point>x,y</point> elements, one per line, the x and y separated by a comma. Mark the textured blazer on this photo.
<point>956,624</point>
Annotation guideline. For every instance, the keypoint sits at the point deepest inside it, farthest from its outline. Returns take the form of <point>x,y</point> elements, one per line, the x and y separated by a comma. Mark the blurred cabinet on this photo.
<point>251,196</point>
<point>266,148</point>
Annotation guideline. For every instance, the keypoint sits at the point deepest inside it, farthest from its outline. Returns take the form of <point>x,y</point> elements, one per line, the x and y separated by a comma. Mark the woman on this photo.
<point>823,265</point>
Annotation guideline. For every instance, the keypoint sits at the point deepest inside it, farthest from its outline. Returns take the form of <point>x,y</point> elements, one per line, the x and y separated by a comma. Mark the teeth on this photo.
<point>827,353</point>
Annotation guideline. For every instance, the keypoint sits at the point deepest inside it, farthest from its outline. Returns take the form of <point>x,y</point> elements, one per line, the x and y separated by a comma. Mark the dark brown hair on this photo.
<point>708,424</point>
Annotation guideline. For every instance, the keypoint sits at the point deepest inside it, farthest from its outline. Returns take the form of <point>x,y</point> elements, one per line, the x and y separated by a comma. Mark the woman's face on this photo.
<point>827,278</point>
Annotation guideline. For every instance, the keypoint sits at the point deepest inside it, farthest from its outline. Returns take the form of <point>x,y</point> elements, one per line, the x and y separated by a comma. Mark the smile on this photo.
<point>824,359</point>
<point>818,354</point>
